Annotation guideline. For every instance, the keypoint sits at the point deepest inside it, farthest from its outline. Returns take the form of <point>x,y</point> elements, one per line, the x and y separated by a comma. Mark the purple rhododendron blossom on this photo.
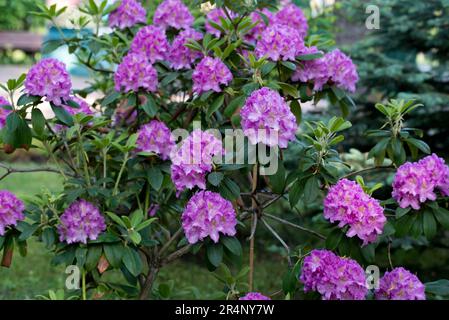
<point>341,70</point>
<point>254,296</point>
<point>334,277</point>
<point>347,204</point>
<point>81,221</point>
<point>11,210</point>
<point>4,113</point>
<point>155,137</point>
<point>209,74</point>
<point>128,14</point>
<point>152,42</point>
<point>417,182</point>
<point>173,13</point>
<point>400,284</point>
<point>194,159</point>
<point>292,16</point>
<point>207,214</point>
<point>49,78</point>
<point>135,73</point>
<point>279,42</point>
<point>179,55</point>
<point>267,119</point>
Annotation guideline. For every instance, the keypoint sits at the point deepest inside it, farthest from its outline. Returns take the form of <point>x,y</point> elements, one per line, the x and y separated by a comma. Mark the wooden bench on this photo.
<point>27,41</point>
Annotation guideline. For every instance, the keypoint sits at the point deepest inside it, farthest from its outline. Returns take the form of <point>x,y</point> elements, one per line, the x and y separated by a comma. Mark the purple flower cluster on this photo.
<point>152,42</point>
<point>292,16</point>
<point>81,221</point>
<point>179,55</point>
<point>266,118</point>
<point>207,214</point>
<point>256,17</point>
<point>193,159</point>
<point>348,204</point>
<point>279,42</point>
<point>209,74</point>
<point>129,13</point>
<point>173,13</point>
<point>4,113</point>
<point>49,78</point>
<point>342,71</point>
<point>400,284</point>
<point>11,210</point>
<point>254,296</point>
<point>214,16</point>
<point>155,137</point>
<point>417,182</point>
<point>134,73</point>
<point>334,277</point>
<point>334,68</point>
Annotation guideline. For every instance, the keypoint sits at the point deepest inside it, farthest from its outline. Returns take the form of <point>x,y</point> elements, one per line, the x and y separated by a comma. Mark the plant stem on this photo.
<point>148,284</point>
<point>53,158</point>
<point>253,227</point>
<point>105,172</point>
<point>119,177</point>
<point>317,234</point>
<point>83,284</point>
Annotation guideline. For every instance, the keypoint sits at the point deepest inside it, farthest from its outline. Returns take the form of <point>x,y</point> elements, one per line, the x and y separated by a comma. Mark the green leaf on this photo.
<point>421,145</point>
<point>295,193</point>
<point>311,189</point>
<point>150,107</point>
<point>110,98</point>
<point>216,104</point>
<point>311,56</point>
<point>438,288</point>
<point>93,255</point>
<point>289,65</point>
<point>62,115</point>
<point>155,178</point>
<point>295,108</point>
<point>38,121</point>
<point>80,255</point>
<point>233,106</point>
<point>114,254</point>
<point>215,178</point>
<point>400,212</point>
<point>442,215</point>
<point>132,261</point>
<point>333,239</point>
<point>429,224</point>
<point>233,245</point>
<point>214,254</point>
<point>26,99</point>
<point>277,181</point>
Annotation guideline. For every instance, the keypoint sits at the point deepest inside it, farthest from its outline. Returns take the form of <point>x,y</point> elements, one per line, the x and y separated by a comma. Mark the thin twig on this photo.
<point>317,234</point>
<point>280,240</point>
<point>170,241</point>
<point>365,170</point>
<point>10,170</point>
<point>175,255</point>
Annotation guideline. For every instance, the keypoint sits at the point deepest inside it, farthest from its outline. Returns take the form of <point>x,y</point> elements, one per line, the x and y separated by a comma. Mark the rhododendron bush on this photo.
<point>190,140</point>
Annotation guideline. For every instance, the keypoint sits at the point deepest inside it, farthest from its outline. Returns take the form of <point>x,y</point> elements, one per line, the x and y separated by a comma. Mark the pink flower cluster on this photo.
<point>348,204</point>
<point>207,214</point>
<point>81,221</point>
<point>134,73</point>
<point>49,78</point>
<point>11,210</point>
<point>155,137</point>
<point>256,17</point>
<point>209,74</point>
<point>194,159</point>
<point>279,42</point>
<point>334,68</point>
<point>417,182</point>
<point>292,16</point>
<point>266,118</point>
<point>334,277</point>
<point>173,13</point>
<point>400,284</point>
<point>179,55</point>
<point>129,13</point>
<point>4,113</point>
<point>152,42</point>
<point>254,296</point>
<point>214,16</point>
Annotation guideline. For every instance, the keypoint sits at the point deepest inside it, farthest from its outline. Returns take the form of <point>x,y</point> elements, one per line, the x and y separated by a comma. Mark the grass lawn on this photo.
<point>33,275</point>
